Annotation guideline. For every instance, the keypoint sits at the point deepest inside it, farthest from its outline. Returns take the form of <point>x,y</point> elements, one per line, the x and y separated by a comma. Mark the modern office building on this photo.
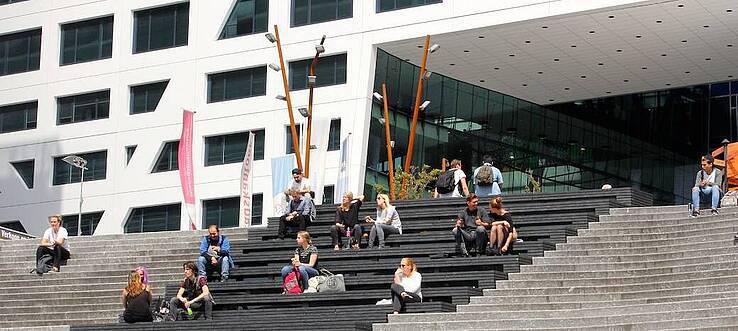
<point>570,93</point>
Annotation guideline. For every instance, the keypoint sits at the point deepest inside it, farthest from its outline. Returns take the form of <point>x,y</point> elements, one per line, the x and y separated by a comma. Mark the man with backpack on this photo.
<point>487,179</point>
<point>215,250</point>
<point>193,294</point>
<point>452,183</point>
<point>301,213</point>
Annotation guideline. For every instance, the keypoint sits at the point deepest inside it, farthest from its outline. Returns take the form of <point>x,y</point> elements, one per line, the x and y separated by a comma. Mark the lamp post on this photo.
<point>319,49</point>
<point>386,122</point>
<point>80,163</point>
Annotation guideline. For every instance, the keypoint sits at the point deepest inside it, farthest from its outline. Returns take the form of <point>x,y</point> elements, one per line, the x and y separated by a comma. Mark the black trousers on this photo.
<point>203,305</point>
<point>338,233</point>
<point>300,221</point>
<point>59,253</point>
<point>398,302</point>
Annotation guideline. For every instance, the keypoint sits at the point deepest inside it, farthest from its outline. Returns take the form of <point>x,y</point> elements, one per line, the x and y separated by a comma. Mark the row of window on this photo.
<point>219,150</point>
<point>231,85</point>
<point>166,27</point>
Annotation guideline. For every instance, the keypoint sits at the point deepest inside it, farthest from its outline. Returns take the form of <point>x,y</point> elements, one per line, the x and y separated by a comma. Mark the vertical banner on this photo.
<point>186,172</point>
<point>248,160</point>
<point>342,183</point>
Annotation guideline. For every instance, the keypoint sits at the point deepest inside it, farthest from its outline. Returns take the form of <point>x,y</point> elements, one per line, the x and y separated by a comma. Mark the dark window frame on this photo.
<point>29,182</point>
<point>170,214</point>
<point>289,148</point>
<point>32,53</point>
<point>96,170</point>
<point>90,220</point>
<point>310,20</point>
<point>260,134</point>
<point>103,51</point>
<point>224,76</point>
<point>172,148</point>
<point>130,150</point>
<point>232,22</point>
<point>148,13</point>
<point>334,144</point>
<point>133,89</point>
<point>101,99</point>
<point>222,203</point>
<point>29,111</point>
<point>10,2</point>
<point>395,7</point>
<point>302,68</point>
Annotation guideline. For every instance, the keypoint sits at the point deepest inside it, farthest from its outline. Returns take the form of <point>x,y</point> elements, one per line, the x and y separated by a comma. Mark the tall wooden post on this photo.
<point>413,126</point>
<point>293,129</point>
<point>388,138</point>
<point>310,111</point>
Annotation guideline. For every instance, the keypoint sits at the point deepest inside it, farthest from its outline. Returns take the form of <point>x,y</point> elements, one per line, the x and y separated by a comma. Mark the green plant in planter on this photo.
<point>420,183</point>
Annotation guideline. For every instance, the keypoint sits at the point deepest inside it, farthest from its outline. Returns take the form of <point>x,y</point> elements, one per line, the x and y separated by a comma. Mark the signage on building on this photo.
<point>8,234</point>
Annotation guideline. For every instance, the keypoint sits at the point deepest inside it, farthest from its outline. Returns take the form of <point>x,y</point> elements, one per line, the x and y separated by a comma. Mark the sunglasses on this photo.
<point>403,265</point>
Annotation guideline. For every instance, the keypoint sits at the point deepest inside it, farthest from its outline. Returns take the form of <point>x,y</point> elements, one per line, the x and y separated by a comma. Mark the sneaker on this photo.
<point>714,212</point>
<point>336,248</point>
<point>223,279</point>
<point>695,213</point>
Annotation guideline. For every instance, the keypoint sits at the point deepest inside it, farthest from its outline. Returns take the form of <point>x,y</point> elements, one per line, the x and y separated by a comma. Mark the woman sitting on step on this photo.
<point>387,222</point>
<point>347,220</point>
<point>136,300</point>
<point>406,285</point>
<point>503,234</point>
<point>305,259</point>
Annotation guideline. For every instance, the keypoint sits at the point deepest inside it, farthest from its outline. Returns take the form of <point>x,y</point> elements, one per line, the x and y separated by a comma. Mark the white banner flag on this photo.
<point>248,160</point>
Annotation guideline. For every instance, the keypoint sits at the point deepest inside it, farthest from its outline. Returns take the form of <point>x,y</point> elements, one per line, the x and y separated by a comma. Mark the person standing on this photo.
<point>299,183</point>
<point>54,243</point>
<point>347,219</point>
<point>215,250</point>
<point>387,222</point>
<point>487,179</point>
<point>460,189</point>
<point>707,185</point>
<point>406,285</point>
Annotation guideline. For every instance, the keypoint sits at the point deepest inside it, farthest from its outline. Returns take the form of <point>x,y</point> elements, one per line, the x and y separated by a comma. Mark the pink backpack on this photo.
<point>292,283</point>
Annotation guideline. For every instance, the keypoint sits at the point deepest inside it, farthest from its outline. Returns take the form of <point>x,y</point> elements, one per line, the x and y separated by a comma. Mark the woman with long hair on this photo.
<point>136,300</point>
<point>347,220</point>
<point>305,259</point>
<point>406,285</point>
<point>387,222</point>
<point>503,233</point>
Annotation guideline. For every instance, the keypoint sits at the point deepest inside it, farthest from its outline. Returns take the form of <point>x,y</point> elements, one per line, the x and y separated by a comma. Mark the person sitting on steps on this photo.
<point>215,250</point>
<point>301,213</point>
<point>406,285</point>
<point>193,293</point>
<point>347,219</point>
<point>54,243</point>
<point>470,227</point>
<point>387,222</point>
<point>707,185</point>
<point>503,234</point>
<point>305,259</point>
<point>136,299</point>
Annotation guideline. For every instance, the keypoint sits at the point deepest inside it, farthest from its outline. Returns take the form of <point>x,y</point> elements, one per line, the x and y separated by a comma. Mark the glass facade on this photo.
<point>247,17</point>
<point>306,12</point>
<point>65,173</point>
<point>154,219</point>
<point>160,28</point>
<point>89,223</point>
<point>87,41</point>
<point>18,117</point>
<point>20,52</point>
<point>25,171</point>
<point>168,158</point>
<point>330,70</point>
<point>83,107</point>
<point>237,84</point>
<point>231,148</point>
<point>145,98</point>
<point>649,140</point>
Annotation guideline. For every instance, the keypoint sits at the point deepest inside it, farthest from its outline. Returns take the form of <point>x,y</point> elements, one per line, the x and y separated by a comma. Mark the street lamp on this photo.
<point>80,163</point>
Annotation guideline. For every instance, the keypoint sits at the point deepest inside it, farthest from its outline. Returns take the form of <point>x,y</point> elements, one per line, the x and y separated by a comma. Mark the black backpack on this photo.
<point>43,265</point>
<point>445,183</point>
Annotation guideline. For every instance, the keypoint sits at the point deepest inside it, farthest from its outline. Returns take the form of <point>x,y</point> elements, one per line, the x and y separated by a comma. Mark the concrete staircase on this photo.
<point>651,268</point>
<point>87,290</point>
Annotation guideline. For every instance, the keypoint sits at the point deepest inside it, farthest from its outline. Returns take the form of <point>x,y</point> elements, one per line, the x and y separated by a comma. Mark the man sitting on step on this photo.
<point>707,186</point>
<point>300,215</point>
<point>193,294</point>
<point>215,250</point>
<point>471,224</point>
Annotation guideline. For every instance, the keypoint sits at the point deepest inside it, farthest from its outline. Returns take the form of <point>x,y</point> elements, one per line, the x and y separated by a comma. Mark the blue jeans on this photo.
<point>712,191</point>
<point>306,272</point>
<point>224,262</point>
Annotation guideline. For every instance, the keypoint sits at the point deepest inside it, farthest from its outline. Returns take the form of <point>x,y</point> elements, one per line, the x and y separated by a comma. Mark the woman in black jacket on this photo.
<point>347,219</point>
<point>136,300</point>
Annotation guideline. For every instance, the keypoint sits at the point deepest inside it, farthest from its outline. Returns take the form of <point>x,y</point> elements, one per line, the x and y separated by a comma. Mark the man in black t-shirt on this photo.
<point>193,293</point>
<point>471,224</point>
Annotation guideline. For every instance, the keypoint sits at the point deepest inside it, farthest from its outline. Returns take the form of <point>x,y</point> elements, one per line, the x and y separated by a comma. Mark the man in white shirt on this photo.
<point>299,183</point>
<point>54,242</point>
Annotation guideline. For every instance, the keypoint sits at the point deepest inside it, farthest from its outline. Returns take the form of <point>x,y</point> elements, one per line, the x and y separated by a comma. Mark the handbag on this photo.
<point>330,282</point>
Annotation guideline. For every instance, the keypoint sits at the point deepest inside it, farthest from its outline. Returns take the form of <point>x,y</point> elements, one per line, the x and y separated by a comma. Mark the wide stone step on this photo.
<point>23,274</point>
<point>163,236</point>
<point>629,229</point>
<point>528,274</point>
<point>683,234</point>
<point>49,294</point>
<point>42,308</point>
<point>121,278</point>
<point>53,321</point>
<point>94,260</point>
<point>481,322</point>
<point>603,286</point>
<point>119,266</point>
<point>102,256</point>
<point>697,251</point>
<point>619,280</point>
<point>63,317</point>
<point>625,244</point>
<point>633,265</point>
<point>632,211</point>
<point>611,222</point>
<point>641,250</point>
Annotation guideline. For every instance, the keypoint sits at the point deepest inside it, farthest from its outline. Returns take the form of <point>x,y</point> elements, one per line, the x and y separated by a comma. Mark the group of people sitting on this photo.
<point>491,233</point>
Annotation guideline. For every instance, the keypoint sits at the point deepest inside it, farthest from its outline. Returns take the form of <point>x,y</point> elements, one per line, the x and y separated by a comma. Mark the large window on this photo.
<point>387,5</point>
<point>334,135</point>
<point>306,12</point>
<point>89,223</point>
<point>65,173</point>
<point>20,52</point>
<point>7,2</point>
<point>247,17</point>
<point>330,70</point>
<point>18,117</point>
<point>231,148</point>
<point>130,150</point>
<point>154,219</point>
<point>167,160</point>
<point>161,28</point>
<point>25,171</point>
<point>83,107</point>
<point>238,84</point>
<point>289,147</point>
<point>257,206</point>
<point>145,98</point>
<point>328,192</point>
<point>87,40</point>
<point>221,212</point>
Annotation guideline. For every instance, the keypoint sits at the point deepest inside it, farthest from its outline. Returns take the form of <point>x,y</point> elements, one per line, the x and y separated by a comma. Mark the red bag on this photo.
<point>292,284</point>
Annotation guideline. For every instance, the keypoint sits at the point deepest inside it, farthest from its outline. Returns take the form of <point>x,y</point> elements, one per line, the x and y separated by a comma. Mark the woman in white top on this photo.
<point>387,222</point>
<point>460,187</point>
<point>406,286</point>
<point>54,242</point>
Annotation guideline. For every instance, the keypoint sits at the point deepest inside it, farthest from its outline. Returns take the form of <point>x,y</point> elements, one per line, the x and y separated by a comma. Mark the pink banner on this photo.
<point>186,171</point>
<point>248,160</point>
